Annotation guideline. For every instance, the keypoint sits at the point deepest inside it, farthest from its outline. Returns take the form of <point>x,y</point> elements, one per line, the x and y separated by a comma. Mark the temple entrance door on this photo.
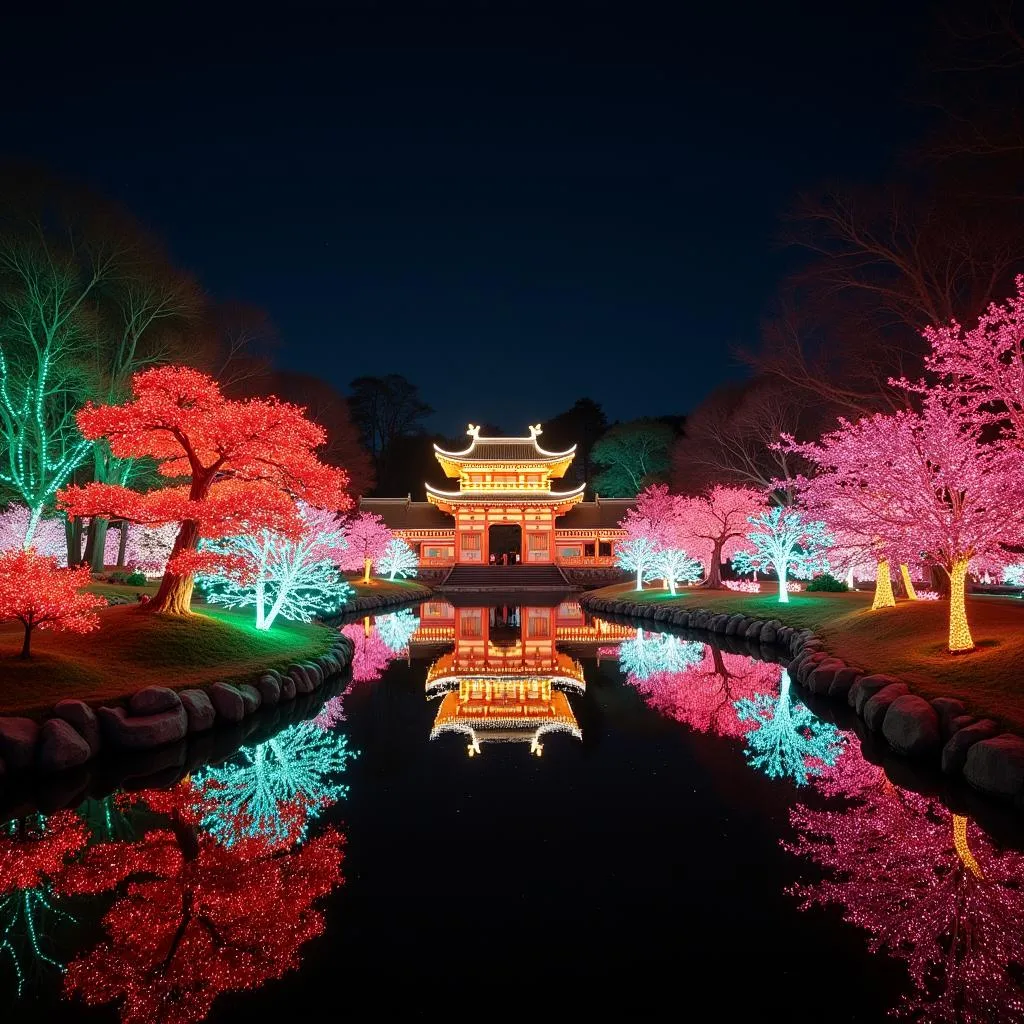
<point>505,544</point>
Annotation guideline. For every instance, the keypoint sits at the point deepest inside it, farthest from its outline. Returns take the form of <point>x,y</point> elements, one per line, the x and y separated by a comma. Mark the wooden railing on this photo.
<point>587,562</point>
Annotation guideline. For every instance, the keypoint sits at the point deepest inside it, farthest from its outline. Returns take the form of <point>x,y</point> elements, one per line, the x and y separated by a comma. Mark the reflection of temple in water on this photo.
<point>505,680</point>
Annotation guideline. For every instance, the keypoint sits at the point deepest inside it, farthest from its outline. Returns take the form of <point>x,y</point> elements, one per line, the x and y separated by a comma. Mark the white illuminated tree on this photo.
<point>673,565</point>
<point>296,579</point>
<point>397,559</point>
<point>782,541</point>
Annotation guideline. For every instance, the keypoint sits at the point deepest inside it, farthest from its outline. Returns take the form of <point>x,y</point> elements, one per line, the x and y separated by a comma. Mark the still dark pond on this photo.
<point>522,811</point>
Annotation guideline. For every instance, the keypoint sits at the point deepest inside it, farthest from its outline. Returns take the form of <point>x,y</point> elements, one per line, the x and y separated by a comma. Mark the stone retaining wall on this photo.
<point>155,716</point>
<point>375,602</point>
<point>938,731</point>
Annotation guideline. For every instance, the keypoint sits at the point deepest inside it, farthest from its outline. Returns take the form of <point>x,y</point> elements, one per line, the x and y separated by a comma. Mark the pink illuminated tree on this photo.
<point>656,516</point>
<point>367,537</point>
<point>247,462</point>
<point>703,695</point>
<point>370,654</point>
<point>985,365</point>
<point>929,889</point>
<point>925,481</point>
<point>712,526</point>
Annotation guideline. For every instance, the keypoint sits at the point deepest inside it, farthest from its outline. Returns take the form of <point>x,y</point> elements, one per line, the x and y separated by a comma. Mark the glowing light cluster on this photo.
<point>40,595</point>
<point>928,595</point>
<point>703,695</point>
<point>674,566</point>
<point>743,586</point>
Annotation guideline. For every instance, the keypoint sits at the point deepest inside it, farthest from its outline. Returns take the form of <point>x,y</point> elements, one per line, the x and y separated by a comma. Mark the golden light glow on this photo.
<point>883,587</point>
<point>908,583</point>
<point>962,849</point>
<point>960,639</point>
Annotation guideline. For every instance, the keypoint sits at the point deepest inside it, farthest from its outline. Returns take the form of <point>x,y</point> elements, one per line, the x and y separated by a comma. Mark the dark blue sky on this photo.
<point>512,204</point>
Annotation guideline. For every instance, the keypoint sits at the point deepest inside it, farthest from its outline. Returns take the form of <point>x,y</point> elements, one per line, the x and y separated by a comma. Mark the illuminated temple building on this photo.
<point>506,681</point>
<point>506,489</point>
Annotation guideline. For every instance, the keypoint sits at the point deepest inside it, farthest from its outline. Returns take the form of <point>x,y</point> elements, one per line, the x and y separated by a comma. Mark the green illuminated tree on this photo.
<point>631,456</point>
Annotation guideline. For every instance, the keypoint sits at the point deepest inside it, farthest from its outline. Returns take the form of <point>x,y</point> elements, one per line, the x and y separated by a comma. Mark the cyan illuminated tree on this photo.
<point>397,628</point>
<point>192,917</point>
<point>673,565</point>
<point>367,537</point>
<point>783,542</point>
<point>273,790</point>
<point>40,595</point>
<point>1013,575</point>
<point>397,559</point>
<point>637,555</point>
<point>643,655</point>
<point>787,739</point>
<point>929,889</point>
<point>296,578</point>
<point>247,463</point>
<point>33,852</point>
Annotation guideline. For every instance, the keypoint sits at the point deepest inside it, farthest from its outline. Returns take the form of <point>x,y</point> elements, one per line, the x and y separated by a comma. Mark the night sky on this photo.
<point>513,205</point>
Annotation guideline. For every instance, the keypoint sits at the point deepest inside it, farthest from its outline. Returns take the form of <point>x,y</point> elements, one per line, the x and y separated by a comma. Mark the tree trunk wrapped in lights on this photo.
<point>883,587</point>
<point>960,638</point>
<point>929,482</point>
<point>908,583</point>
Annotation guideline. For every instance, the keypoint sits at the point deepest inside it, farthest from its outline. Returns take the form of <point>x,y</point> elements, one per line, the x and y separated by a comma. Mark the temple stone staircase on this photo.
<point>505,578</point>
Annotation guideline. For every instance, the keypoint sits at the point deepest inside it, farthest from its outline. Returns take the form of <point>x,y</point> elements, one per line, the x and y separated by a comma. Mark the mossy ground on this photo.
<point>134,648</point>
<point>908,641</point>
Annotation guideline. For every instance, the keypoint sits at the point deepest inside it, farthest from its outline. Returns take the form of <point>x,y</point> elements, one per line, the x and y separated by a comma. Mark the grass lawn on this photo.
<point>132,649</point>
<point>411,590</point>
<point>908,641</point>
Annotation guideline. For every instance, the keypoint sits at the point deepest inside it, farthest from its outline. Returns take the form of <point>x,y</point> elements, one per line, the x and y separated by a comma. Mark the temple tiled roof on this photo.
<point>504,449</point>
<point>603,514</point>
<point>509,497</point>
<point>403,514</point>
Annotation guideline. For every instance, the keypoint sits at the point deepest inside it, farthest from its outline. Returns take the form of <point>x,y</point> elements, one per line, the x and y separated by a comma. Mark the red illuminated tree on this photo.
<point>246,462</point>
<point>929,889</point>
<point>713,525</point>
<point>194,918</point>
<point>703,696</point>
<point>39,594</point>
<point>367,538</point>
<point>924,482</point>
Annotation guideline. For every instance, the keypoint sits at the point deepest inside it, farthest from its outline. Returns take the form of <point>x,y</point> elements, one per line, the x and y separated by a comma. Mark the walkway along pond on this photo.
<point>533,803</point>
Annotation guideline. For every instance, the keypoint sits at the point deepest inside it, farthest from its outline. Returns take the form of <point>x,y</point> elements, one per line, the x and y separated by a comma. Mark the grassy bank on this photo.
<point>408,590</point>
<point>908,641</point>
<point>132,649</point>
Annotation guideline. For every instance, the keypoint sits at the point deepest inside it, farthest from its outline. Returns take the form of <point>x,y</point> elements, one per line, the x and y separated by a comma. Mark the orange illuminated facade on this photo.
<point>505,680</point>
<point>506,482</point>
